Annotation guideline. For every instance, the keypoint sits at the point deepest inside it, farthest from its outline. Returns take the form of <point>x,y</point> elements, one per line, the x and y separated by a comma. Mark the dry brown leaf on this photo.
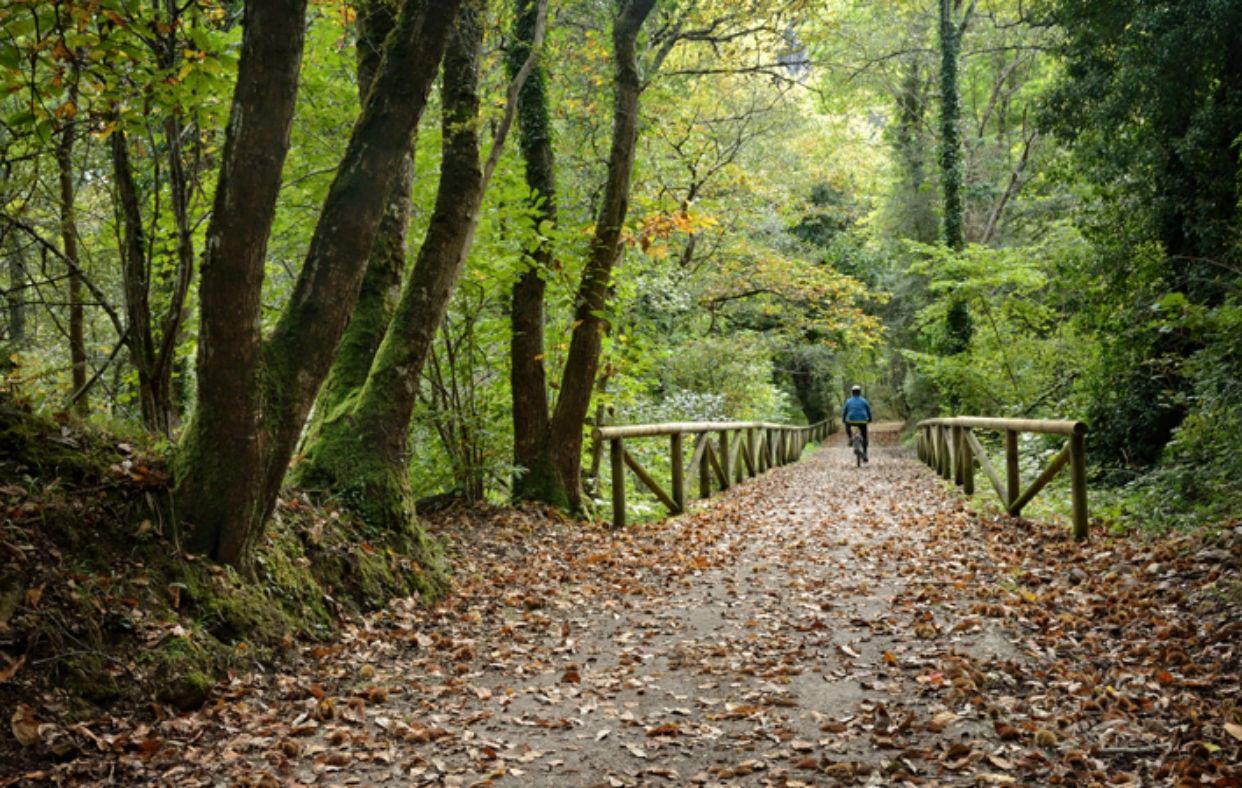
<point>25,726</point>
<point>11,669</point>
<point>941,721</point>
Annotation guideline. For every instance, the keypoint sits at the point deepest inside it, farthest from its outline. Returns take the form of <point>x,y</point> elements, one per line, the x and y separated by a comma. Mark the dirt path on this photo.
<point>820,625</point>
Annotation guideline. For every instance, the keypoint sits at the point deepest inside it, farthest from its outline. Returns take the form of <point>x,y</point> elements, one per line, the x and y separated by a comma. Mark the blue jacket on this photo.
<point>856,409</point>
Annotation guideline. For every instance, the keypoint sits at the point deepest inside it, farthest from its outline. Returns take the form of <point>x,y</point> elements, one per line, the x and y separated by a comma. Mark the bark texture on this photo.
<point>527,376</point>
<point>219,460</point>
<point>361,453</point>
<point>560,468</point>
<point>381,284</point>
<point>255,395</point>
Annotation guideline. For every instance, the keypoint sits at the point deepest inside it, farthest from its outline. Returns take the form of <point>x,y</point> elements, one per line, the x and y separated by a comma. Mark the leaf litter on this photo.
<point>821,625</point>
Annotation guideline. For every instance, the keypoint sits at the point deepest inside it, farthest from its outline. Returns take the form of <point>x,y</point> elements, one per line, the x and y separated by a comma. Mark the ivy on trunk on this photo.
<point>554,469</point>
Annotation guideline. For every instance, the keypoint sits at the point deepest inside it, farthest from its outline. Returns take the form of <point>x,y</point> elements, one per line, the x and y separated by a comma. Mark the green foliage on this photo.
<point>1022,359</point>
<point>1150,101</point>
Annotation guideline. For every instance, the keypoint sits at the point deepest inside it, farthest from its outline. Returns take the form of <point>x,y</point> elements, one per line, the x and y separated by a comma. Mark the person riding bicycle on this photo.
<point>856,413</point>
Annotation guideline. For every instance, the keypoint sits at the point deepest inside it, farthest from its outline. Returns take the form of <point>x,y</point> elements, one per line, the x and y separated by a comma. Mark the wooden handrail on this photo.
<point>742,448</point>
<point>950,447</point>
<point>691,428</point>
<point>1040,426</point>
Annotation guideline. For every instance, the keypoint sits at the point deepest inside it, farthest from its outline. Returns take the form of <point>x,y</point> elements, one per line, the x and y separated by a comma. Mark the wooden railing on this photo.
<point>742,449</point>
<point>951,447</point>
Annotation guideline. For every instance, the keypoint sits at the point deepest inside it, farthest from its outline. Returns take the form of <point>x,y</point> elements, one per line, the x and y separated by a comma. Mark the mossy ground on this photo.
<point>104,605</point>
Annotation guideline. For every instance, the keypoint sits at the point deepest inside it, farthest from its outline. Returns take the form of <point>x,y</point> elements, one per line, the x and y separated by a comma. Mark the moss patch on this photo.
<point>102,596</point>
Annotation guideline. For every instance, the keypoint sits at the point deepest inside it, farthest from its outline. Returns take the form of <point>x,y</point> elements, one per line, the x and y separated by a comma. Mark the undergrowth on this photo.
<point>100,605</point>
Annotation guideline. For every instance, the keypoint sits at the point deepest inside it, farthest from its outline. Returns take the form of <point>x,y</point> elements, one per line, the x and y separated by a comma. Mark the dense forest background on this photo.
<point>519,219</point>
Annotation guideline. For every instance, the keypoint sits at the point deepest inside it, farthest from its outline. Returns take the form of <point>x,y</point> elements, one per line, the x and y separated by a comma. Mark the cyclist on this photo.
<point>856,413</point>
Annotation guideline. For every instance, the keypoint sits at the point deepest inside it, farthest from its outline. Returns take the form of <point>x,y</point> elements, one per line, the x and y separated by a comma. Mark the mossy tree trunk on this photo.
<point>527,376</point>
<point>381,284</point>
<point>254,396</point>
<point>958,328</point>
<point>558,472</point>
<point>361,451</point>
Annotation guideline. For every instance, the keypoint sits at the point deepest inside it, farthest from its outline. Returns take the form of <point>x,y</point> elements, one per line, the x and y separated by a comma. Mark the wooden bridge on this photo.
<point>951,447</point>
<point>745,449</point>
<point>741,449</point>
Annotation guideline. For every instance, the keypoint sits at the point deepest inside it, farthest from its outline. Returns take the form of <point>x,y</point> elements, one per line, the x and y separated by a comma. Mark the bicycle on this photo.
<point>858,443</point>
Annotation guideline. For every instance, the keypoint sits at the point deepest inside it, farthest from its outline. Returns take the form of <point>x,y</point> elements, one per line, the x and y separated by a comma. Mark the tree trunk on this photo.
<point>361,453</point>
<point>254,397</point>
<point>154,388</point>
<point>381,284</point>
<point>912,151</point>
<point>958,326</point>
<point>69,242</point>
<point>176,316</point>
<point>219,462</point>
<point>527,377</point>
<point>16,296</point>
<point>564,444</point>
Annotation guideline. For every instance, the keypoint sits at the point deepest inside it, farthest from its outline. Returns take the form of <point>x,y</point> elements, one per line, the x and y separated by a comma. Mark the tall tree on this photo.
<point>556,470</point>
<point>361,452</point>
<point>254,395</point>
<point>951,29</point>
<point>527,376</point>
<point>381,284</point>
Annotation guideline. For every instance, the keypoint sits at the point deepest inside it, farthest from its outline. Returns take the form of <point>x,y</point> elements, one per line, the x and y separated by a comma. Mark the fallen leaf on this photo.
<point>941,721</point>
<point>12,668</point>
<point>25,726</point>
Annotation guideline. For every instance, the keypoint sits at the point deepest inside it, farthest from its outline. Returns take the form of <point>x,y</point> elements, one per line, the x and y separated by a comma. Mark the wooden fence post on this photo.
<point>679,472</point>
<point>968,463</point>
<point>705,468</point>
<point>753,465</point>
<point>946,468</point>
<point>1013,481</point>
<point>1078,483</point>
<point>617,447</point>
<point>726,478</point>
